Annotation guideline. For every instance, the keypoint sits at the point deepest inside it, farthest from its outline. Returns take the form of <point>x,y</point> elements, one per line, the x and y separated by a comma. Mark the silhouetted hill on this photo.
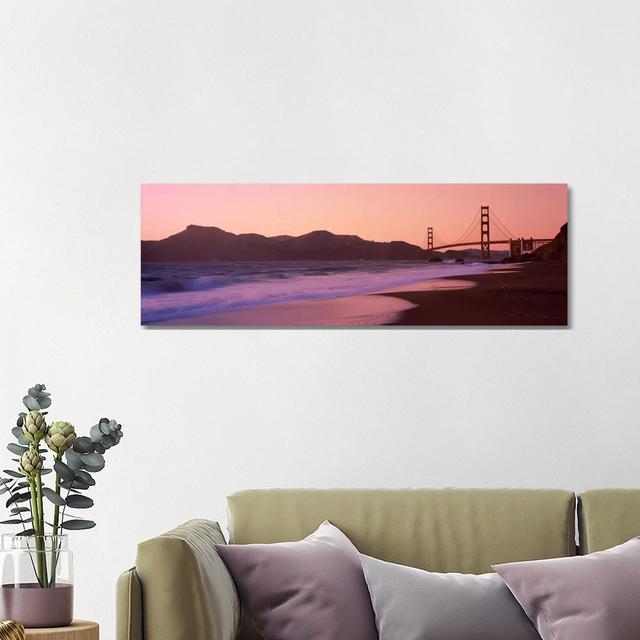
<point>557,249</point>
<point>202,244</point>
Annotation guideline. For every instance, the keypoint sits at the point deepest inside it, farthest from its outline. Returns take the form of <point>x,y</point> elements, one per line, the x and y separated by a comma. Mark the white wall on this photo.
<point>98,97</point>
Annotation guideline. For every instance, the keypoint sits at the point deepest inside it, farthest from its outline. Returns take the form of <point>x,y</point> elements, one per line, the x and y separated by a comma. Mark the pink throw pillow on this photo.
<point>592,597</point>
<point>311,589</point>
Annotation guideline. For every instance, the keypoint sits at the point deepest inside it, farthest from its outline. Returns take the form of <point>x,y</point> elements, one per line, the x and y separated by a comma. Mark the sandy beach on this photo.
<point>526,294</point>
<point>350,311</point>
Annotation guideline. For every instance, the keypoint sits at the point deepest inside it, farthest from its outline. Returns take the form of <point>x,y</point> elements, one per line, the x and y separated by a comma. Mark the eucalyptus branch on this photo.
<point>56,553</point>
<point>24,524</point>
<point>76,459</point>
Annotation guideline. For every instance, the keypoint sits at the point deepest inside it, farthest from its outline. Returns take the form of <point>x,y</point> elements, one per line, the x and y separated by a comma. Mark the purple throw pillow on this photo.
<point>592,597</point>
<point>314,588</point>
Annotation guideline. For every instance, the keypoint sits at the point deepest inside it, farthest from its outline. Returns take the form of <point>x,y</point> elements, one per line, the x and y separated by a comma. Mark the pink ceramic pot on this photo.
<point>37,607</point>
<point>37,580</point>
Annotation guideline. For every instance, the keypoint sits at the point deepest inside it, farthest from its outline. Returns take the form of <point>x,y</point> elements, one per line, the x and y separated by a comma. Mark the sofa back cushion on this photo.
<point>458,530</point>
<point>446,530</point>
<point>608,517</point>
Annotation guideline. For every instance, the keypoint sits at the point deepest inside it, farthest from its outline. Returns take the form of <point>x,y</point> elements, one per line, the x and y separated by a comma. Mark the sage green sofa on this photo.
<point>180,589</point>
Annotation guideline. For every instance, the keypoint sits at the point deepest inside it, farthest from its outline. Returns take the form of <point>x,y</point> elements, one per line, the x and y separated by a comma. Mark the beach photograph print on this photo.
<point>354,255</point>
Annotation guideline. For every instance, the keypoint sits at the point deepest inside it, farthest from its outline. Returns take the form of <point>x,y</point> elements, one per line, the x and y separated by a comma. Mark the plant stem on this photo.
<point>45,580</point>
<point>56,519</point>
<point>55,566</point>
<point>36,526</point>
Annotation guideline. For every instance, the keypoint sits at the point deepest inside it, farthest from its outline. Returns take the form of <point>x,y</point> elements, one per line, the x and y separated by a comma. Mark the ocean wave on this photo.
<point>171,291</point>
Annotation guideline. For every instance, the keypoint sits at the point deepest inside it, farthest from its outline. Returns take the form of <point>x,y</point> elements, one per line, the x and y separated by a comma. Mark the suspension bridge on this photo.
<point>486,222</point>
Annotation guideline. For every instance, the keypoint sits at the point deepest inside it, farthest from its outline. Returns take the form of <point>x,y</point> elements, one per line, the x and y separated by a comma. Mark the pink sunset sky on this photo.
<point>381,212</point>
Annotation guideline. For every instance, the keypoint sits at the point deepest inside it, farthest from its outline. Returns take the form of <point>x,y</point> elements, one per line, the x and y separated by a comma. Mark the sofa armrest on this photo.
<point>129,606</point>
<point>187,592</point>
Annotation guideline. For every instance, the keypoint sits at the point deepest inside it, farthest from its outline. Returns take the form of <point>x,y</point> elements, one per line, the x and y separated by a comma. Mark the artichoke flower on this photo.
<point>33,426</point>
<point>60,436</point>
<point>31,463</point>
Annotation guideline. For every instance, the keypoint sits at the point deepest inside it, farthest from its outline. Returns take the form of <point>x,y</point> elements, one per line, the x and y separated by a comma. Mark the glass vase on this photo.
<point>37,580</point>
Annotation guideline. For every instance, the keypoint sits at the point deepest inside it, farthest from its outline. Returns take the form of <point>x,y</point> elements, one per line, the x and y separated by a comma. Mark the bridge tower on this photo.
<point>429,240</point>
<point>485,242</point>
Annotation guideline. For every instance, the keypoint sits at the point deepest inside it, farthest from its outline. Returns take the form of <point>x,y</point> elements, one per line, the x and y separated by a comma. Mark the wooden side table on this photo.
<point>77,630</point>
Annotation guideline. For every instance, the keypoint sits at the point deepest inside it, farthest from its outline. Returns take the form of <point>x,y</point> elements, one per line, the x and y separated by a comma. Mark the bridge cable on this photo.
<point>498,224</point>
<point>437,240</point>
<point>470,227</point>
<point>502,224</point>
<point>499,229</point>
<point>471,234</point>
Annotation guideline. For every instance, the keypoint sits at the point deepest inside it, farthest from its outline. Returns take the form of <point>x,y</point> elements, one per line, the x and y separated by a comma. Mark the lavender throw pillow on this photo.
<point>593,597</point>
<point>313,588</point>
<point>412,604</point>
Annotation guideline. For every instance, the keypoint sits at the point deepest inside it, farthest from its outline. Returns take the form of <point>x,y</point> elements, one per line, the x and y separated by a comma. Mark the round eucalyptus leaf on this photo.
<point>22,440</point>
<point>104,428</point>
<point>52,496</point>
<point>63,470</point>
<point>108,441</point>
<point>16,448</point>
<point>74,484</point>
<point>76,525</point>
<point>95,433</point>
<point>31,403</point>
<point>74,460</point>
<point>83,445</point>
<point>99,447</point>
<point>93,459</point>
<point>85,477</point>
<point>79,502</point>
<point>93,469</point>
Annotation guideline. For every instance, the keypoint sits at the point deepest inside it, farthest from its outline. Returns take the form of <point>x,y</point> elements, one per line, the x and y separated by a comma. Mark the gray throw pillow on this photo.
<point>412,604</point>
